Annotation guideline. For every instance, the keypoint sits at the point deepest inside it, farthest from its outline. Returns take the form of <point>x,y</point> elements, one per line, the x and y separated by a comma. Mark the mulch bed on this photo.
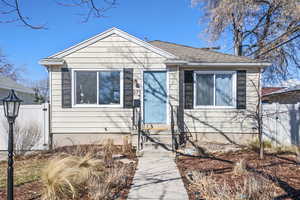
<point>32,190</point>
<point>281,169</point>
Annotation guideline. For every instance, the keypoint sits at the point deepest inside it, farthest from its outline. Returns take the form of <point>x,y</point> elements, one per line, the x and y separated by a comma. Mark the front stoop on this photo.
<point>156,138</point>
<point>155,143</point>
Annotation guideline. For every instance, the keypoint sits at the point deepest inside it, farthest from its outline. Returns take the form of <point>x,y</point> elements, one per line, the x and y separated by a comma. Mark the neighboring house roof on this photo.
<point>174,53</point>
<point>193,54</point>
<point>269,90</point>
<point>288,95</point>
<point>285,90</point>
<point>8,84</point>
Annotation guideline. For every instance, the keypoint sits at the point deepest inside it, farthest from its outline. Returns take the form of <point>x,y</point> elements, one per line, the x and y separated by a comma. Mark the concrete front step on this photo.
<point>154,138</point>
<point>146,153</point>
<point>149,146</point>
<point>159,143</point>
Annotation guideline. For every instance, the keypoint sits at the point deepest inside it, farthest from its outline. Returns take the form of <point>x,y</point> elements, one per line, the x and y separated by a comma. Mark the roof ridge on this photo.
<point>177,44</point>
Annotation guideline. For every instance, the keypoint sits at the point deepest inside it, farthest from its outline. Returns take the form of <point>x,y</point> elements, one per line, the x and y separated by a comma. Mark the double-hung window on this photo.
<point>214,88</point>
<point>101,88</point>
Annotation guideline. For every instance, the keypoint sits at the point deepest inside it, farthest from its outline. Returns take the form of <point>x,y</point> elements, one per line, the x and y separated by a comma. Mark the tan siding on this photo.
<point>116,52</point>
<point>116,60</point>
<point>113,55</point>
<point>173,86</point>
<point>98,49</point>
<point>221,120</point>
<point>111,52</point>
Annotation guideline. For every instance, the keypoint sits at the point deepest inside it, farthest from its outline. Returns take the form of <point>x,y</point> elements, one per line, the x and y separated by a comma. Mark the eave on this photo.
<point>216,64</point>
<point>51,61</point>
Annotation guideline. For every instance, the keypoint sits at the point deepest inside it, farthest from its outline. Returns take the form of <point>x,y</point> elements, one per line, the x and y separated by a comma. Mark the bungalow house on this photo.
<point>26,94</point>
<point>95,86</point>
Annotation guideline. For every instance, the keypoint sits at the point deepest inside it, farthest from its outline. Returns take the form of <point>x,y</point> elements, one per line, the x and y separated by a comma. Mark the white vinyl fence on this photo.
<point>31,128</point>
<point>281,123</point>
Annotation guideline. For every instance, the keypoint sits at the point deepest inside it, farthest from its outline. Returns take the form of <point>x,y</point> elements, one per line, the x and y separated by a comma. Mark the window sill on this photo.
<point>214,107</point>
<point>96,106</point>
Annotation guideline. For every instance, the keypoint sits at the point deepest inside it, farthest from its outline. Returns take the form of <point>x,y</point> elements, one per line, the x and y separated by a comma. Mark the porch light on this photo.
<point>11,105</point>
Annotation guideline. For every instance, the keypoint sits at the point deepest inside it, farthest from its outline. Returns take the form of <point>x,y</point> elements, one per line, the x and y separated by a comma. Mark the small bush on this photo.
<point>208,187</point>
<point>254,144</point>
<point>108,151</point>
<point>25,136</point>
<point>240,168</point>
<point>252,187</point>
<point>100,187</point>
<point>255,188</point>
<point>287,149</point>
<point>127,148</point>
<point>64,177</point>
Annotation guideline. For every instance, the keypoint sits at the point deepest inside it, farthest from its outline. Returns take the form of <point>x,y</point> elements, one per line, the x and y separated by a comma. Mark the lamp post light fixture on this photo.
<point>11,105</point>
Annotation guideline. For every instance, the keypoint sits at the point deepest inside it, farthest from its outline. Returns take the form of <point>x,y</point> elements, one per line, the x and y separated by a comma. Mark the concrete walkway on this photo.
<point>157,177</point>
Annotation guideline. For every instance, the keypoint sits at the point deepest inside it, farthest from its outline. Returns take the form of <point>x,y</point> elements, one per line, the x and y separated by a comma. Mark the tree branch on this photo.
<point>21,17</point>
<point>283,43</point>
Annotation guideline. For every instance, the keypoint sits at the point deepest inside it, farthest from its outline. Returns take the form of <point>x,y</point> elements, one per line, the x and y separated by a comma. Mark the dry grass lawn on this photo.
<point>29,172</point>
<point>25,171</point>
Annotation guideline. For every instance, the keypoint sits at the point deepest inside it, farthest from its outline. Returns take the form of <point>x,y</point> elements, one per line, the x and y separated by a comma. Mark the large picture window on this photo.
<point>98,87</point>
<point>215,88</point>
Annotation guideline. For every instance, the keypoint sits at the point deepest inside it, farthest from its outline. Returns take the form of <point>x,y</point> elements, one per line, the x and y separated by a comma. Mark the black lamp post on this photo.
<point>11,105</point>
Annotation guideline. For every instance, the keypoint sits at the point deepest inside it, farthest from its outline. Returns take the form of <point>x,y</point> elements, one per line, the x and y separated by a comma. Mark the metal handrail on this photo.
<point>139,130</point>
<point>174,139</point>
<point>137,126</point>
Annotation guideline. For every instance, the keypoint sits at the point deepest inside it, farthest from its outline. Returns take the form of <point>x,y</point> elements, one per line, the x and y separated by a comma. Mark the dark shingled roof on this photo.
<point>193,54</point>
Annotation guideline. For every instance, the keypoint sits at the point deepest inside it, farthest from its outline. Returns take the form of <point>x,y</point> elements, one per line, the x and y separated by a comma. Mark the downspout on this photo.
<point>50,135</point>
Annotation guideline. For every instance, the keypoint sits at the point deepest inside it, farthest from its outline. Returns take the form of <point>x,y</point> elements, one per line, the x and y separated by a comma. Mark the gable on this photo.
<point>112,40</point>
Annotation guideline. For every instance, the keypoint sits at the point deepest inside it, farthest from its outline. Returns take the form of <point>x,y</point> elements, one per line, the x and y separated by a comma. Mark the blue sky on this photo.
<point>169,20</point>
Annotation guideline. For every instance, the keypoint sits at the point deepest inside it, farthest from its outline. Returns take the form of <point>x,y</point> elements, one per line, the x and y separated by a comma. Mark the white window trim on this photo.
<point>216,72</point>
<point>97,105</point>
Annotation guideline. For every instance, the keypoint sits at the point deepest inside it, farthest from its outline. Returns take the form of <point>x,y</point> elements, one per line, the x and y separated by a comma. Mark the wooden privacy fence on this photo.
<point>31,128</point>
<point>281,123</point>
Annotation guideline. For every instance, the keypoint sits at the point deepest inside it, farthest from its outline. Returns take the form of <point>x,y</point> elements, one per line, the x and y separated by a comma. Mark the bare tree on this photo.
<point>41,88</point>
<point>7,69</point>
<point>261,29</point>
<point>11,11</point>
<point>26,136</point>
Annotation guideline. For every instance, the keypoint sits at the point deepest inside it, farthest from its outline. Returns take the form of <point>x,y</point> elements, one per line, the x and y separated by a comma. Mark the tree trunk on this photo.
<point>238,44</point>
<point>260,120</point>
<point>238,50</point>
<point>261,143</point>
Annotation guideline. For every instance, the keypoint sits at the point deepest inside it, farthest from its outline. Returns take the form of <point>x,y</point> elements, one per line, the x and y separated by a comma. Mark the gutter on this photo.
<point>205,64</point>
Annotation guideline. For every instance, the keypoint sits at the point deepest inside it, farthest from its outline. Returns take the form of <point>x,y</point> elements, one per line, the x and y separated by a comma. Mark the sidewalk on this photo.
<point>157,177</point>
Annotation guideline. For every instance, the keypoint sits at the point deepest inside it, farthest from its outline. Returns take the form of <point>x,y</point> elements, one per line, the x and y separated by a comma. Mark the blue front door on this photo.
<point>155,97</point>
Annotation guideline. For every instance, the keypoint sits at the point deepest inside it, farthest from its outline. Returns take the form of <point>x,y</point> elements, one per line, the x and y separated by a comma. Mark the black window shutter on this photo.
<point>66,88</point>
<point>241,88</point>
<point>128,87</point>
<point>188,89</point>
